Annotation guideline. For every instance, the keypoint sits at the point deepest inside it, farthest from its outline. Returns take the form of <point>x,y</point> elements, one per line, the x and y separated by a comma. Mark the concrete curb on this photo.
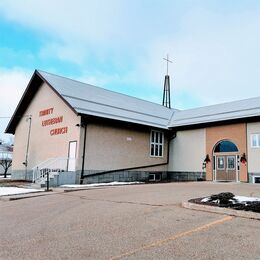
<point>44,193</point>
<point>26,195</point>
<point>99,187</point>
<point>89,188</point>
<point>219,210</point>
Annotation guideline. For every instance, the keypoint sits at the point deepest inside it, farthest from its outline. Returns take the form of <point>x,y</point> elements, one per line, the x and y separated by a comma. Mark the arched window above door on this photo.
<point>225,147</point>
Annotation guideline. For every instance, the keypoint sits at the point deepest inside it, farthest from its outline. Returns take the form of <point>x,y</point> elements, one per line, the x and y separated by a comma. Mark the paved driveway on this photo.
<point>127,222</point>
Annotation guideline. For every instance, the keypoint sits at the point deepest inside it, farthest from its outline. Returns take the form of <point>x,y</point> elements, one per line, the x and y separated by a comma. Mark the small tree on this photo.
<point>6,163</point>
<point>5,156</point>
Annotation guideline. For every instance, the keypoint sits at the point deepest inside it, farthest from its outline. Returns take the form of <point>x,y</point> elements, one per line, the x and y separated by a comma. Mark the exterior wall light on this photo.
<point>207,159</point>
<point>243,159</point>
<point>204,166</point>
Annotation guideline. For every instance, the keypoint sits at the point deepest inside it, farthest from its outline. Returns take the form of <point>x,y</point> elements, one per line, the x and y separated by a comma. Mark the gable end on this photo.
<point>33,86</point>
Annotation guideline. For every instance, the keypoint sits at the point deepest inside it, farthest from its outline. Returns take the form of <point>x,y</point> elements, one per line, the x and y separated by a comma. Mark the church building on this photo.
<point>79,133</point>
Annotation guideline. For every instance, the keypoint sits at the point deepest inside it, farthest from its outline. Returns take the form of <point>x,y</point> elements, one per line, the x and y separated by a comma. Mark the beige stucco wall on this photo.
<point>43,145</point>
<point>253,153</point>
<point>187,151</point>
<point>110,147</point>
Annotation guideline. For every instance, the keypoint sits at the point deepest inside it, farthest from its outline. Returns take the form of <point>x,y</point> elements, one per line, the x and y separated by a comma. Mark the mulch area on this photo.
<point>12,183</point>
<point>253,206</point>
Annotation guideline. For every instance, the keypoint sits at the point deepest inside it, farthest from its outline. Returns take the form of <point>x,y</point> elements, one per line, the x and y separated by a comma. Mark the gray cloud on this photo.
<point>214,46</point>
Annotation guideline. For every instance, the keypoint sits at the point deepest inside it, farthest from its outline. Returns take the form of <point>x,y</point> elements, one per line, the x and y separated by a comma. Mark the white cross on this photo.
<point>167,60</point>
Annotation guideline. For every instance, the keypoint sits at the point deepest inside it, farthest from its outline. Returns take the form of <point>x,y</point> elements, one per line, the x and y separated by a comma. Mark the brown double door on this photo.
<point>226,167</point>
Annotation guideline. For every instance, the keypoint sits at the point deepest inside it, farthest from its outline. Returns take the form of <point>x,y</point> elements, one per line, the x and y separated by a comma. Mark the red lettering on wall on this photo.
<point>52,121</point>
<point>59,131</point>
<point>46,112</point>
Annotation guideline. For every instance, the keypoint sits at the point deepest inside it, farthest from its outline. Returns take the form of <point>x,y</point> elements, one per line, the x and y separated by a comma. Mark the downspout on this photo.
<point>247,154</point>
<point>84,152</point>
<point>27,147</point>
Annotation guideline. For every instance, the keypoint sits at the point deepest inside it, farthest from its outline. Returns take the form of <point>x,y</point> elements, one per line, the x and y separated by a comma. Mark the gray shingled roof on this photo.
<point>91,100</point>
<point>220,112</point>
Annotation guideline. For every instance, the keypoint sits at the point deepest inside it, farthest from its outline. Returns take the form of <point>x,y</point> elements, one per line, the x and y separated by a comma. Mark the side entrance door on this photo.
<point>226,168</point>
<point>72,156</point>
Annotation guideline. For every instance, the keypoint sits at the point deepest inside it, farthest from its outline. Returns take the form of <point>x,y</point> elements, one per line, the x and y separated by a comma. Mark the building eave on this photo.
<point>33,86</point>
<point>215,123</point>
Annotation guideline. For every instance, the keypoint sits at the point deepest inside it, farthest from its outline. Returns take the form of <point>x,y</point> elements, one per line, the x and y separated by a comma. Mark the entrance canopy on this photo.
<point>225,147</point>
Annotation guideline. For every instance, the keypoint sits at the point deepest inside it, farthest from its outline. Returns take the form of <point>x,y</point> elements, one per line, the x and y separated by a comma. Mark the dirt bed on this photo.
<point>218,201</point>
<point>12,183</point>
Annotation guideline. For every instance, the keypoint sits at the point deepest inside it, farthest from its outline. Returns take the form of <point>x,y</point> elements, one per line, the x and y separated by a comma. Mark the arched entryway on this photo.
<point>225,161</point>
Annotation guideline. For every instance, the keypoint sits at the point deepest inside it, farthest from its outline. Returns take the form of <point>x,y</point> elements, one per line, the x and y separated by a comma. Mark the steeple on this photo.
<point>166,91</point>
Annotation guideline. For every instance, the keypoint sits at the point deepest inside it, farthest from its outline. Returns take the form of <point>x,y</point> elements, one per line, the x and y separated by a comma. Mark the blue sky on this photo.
<point>120,45</point>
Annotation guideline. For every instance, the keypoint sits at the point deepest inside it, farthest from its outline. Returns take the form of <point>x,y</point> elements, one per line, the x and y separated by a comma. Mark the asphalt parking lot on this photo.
<point>127,222</point>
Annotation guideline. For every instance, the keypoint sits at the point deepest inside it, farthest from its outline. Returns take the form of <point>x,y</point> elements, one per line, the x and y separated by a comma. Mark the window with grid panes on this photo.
<point>255,140</point>
<point>156,144</point>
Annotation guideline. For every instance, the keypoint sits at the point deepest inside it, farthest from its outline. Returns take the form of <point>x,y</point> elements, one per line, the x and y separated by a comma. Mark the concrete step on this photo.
<point>44,184</point>
<point>34,186</point>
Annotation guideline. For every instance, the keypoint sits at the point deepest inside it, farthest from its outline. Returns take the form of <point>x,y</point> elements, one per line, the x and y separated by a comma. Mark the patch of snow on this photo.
<point>239,199</point>
<point>114,183</point>
<point>14,191</point>
<point>7,177</point>
<point>244,199</point>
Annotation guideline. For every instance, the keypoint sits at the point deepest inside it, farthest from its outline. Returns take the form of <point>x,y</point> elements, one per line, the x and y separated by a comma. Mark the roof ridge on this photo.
<point>95,102</point>
<point>220,113</point>
<point>108,90</point>
<point>217,104</point>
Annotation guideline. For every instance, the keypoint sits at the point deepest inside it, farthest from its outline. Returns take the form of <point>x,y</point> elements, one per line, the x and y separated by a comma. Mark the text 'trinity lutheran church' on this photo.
<point>79,133</point>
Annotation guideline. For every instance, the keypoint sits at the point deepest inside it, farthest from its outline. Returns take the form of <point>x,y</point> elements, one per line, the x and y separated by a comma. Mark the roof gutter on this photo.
<point>215,123</point>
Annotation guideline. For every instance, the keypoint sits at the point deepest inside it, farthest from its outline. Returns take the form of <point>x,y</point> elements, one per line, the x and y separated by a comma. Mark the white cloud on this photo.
<point>95,22</point>
<point>12,85</point>
<point>215,51</point>
<point>216,58</point>
<point>74,53</point>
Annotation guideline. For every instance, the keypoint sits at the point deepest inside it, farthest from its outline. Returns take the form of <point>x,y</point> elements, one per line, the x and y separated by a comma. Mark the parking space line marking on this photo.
<point>166,240</point>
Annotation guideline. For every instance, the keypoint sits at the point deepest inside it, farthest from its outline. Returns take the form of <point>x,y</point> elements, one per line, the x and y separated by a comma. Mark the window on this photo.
<point>255,140</point>
<point>231,162</point>
<point>238,162</point>
<point>156,146</point>
<point>225,146</point>
<point>256,179</point>
<point>220,163</point>
<point>155,176</point>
